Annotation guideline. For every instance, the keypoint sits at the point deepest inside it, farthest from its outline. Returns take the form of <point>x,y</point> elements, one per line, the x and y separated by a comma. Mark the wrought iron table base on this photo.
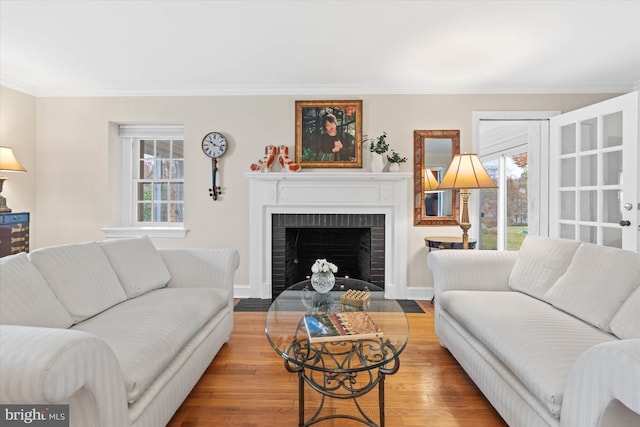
<point>340,383</point>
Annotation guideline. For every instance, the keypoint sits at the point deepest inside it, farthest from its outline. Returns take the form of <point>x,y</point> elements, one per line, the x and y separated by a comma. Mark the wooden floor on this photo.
<point>247,385</point>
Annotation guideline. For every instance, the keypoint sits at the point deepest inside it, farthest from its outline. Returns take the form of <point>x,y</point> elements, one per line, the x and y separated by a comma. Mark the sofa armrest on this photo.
<point>62,366</point>
<point>199,268</point>
<point>471,270</point>
<point>603,387</point>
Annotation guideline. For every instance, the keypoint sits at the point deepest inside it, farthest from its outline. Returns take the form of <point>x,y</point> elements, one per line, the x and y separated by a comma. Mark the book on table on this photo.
<point>326,327</point>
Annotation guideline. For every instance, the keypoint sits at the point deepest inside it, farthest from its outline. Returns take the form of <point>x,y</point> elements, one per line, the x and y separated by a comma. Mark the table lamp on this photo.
<point>465,172</point>
<point>8,162</point>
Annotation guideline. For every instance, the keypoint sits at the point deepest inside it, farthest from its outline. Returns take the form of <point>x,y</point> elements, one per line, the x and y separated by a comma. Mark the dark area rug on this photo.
<point>258,304</point>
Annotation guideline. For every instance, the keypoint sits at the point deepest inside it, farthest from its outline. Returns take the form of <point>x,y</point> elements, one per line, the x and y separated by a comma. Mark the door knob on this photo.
<point>625,223</point>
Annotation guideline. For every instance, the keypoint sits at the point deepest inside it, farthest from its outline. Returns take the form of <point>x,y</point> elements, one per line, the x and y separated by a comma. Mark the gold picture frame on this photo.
<point>329,134</point>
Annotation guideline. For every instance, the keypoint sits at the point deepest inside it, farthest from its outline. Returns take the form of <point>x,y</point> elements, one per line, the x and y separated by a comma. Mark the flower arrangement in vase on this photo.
<point>378,146</point>
<point>322,278</point>
<point>394,161</point>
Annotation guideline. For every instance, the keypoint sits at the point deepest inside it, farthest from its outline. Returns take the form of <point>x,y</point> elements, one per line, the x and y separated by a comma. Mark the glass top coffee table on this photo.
<point>341,368</point>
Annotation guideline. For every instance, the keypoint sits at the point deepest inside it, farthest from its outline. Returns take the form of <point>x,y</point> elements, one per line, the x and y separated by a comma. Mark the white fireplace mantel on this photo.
<point>329,193</point>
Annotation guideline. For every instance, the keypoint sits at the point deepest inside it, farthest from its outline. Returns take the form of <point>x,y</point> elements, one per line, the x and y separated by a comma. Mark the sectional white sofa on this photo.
<point>117,329</point>
<point>550,334</point>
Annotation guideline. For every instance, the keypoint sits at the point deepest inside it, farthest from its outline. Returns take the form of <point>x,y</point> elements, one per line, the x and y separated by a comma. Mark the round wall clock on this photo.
<point>214,145</point>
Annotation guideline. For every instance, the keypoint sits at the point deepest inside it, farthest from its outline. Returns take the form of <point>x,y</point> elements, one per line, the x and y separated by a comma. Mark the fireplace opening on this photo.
<point>354,242</point>
<point>347,248</point>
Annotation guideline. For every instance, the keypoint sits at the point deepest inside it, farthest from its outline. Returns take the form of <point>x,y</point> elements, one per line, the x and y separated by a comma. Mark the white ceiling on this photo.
<point>95,48</point>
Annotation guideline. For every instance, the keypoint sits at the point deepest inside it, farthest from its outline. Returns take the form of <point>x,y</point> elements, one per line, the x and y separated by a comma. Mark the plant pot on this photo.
<point>394,167</point>
<point>323,281</point>
<point>377,162</point>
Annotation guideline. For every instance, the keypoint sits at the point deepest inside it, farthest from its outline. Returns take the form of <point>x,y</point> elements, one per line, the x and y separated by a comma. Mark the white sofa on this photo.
<point>117,329</point>
<point>550,334</point>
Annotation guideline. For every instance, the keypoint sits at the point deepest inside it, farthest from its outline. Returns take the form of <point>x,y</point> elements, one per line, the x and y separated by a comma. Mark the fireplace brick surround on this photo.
<point>352,194</point>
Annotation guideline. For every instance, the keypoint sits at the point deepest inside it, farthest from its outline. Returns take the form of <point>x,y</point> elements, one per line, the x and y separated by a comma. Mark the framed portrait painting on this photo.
<point>329,134</point>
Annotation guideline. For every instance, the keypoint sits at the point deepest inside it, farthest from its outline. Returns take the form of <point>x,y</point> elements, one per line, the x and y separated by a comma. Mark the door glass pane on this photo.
<point>568,205</point>
<point>588,135</point>
<point>568,139</point>
<point>612,129</point>
<point>611,206</point>
<point>612,237</point>
<point>517,203</point>
<point>567,231</point>
<point>489,213</point>
<point>588,234</point>
<point>568,172</point>
<point>612,167</point>
<point>588,205</point>
<point>589,170</point>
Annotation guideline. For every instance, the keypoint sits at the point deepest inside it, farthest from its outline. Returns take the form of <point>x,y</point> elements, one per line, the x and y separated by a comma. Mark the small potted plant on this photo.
<point>394,161</point>
<point>378,146</point>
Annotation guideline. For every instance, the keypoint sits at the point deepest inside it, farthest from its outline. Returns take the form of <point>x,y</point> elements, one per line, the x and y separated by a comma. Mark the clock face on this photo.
<point>214,144</point>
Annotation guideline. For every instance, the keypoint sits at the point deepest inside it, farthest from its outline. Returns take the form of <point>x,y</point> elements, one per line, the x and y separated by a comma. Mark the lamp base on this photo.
<point>465,236</point>
<point>3,200</point>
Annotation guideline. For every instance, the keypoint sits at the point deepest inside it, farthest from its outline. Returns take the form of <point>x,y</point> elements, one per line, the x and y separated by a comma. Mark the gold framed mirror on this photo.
<point>432,153</point>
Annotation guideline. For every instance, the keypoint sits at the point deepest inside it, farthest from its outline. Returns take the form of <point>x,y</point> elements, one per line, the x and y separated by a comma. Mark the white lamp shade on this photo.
<point>8,161</point>
<point>465,172</point>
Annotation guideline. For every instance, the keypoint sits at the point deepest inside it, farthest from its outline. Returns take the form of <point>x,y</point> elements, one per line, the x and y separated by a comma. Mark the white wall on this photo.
<point>69,177</point>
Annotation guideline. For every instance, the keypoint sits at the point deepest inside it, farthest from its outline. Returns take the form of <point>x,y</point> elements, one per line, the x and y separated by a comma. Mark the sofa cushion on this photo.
<point>146,333</point>
<point>540,262</point>
<point>535,341</point>
<point>626,323</point>
<point>81,277</point>
<point>596,284</point>
<point>137,264</point>
<point>25,297</point>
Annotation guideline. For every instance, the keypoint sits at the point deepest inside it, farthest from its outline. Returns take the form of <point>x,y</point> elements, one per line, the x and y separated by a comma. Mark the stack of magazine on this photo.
<point>356,325</point>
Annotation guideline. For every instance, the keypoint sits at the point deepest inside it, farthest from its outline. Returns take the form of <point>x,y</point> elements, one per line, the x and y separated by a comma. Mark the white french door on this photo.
<point>594,181</point>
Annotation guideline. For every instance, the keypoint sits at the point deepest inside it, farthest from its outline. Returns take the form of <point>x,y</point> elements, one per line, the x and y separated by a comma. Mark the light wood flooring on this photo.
<point>247,385</point>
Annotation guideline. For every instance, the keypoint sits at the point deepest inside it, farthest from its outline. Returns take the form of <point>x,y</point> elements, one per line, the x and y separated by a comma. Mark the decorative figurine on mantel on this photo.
<point>265,164</point>
<point>286,163</point>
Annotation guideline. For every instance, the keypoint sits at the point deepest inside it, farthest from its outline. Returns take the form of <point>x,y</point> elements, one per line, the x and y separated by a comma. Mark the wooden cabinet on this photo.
<point>14,233</point>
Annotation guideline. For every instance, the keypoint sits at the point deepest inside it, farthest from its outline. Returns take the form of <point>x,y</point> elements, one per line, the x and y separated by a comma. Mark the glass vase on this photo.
<point>323,281</point>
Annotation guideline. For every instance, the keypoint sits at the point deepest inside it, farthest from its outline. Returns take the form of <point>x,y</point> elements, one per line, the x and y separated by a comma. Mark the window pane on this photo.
<point>176,191</point>
<point>589,170</point>
<point>146,169</point>
<point>144,191</point>
<point>517,201</point>
<point>165,169</point>
<point>163,149</point>
<point>568,205</point>
<point>568,172</point>
<point>612,164</point>
<point>146,148</point>
<point>160,212</point>
<point>567,231</point>
<point>588,234</point>
<point>588,205</point>
<point>568,139</point>
<point>160,191</point>
<point>612,237</point>
<point>589,135</point>
<point>175,210</point>
<point>177,169</point>
<point>612,129</point>
<point>611,206</point>
<point>489,213</point>
<point>144,212</point>
<point>178,149</point>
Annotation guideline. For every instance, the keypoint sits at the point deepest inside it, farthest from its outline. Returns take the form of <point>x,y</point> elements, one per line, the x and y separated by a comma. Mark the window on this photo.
<point>152,181</point>
<point>158,181</point>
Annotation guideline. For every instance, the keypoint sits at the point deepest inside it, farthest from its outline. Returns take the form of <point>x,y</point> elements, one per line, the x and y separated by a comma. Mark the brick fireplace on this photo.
<point>364,216</point>
<point>354,242</point>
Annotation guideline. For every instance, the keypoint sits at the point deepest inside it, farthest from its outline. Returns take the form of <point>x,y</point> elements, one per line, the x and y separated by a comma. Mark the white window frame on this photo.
<point>130,135</point>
